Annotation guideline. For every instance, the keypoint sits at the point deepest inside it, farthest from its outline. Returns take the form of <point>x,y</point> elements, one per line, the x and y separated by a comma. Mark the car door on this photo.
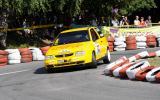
<point>103,42</point>
<point>97,43</point>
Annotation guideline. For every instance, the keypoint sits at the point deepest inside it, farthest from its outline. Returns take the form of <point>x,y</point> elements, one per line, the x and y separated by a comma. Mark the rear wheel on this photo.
<point>107,58</point>
<point>94,61</point>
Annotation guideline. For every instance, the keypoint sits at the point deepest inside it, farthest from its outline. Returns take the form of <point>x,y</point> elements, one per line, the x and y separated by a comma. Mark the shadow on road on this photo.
<point>64,70</point>
<point>40,71</point>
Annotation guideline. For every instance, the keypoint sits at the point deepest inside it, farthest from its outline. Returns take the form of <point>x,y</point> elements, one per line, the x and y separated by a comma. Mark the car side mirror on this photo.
<point>101,35</point>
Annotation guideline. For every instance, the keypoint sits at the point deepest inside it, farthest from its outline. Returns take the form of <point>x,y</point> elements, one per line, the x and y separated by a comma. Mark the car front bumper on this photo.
<point>66,62</point>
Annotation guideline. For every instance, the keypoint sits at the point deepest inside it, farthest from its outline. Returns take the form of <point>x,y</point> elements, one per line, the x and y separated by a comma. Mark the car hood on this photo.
<point>68,48</point>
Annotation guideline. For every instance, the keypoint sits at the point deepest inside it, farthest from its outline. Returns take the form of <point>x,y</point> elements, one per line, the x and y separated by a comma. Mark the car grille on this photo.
<point>64,55</point>
<point>64,64</point>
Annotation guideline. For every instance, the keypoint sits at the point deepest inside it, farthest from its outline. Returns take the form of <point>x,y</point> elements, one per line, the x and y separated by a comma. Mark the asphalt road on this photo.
<point>31,82</point>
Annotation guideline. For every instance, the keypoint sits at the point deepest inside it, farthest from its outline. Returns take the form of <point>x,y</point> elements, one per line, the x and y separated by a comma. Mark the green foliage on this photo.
<point>75,7</point>
<point>134,5</point>
<point>58,4</point>
<point>39,6</point>
<point>126,7</point>
<point>20,7</point>
<point>16,10</point>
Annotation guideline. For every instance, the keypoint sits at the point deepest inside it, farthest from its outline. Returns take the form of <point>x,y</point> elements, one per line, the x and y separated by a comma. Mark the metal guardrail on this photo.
<point>52,25</point>
<point>133,26</point>
<point>32,27</point>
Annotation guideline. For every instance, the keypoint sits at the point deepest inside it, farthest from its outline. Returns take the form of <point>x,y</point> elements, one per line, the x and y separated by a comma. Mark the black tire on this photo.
<point>107,58</point>
<point>94,61</point>
<point>49,70</point>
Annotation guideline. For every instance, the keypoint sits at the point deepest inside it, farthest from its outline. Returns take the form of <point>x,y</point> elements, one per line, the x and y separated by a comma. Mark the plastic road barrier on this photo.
<point>121,71</point>
<point>14,56</point>
<point>44,49</point>
<point>3,58</point>
<point>141,74</point>
<point>118,62</point>
<point>131,72</point>
<point>151,76</point>
<point>37,54</point>
<point>131,43</point>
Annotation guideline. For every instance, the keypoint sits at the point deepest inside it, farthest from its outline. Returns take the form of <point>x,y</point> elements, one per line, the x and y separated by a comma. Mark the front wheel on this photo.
<point>49,70</point>
<point>107,58</point>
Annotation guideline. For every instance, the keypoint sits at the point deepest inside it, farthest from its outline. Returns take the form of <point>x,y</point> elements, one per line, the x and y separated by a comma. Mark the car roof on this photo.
<point>76,29</point>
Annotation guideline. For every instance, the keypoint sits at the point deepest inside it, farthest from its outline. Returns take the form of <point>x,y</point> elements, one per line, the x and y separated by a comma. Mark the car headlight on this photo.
<point>49,57</point>
<point>80,53</point>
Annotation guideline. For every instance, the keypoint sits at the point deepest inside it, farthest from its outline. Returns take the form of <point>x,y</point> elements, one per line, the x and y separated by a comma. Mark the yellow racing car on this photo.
<point>80,46</point>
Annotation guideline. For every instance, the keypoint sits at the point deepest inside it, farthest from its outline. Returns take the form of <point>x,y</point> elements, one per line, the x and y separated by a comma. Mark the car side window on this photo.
<point>94,35</point>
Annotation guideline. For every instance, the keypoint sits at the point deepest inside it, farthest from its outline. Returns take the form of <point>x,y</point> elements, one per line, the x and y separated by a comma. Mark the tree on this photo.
<point>41,8</point>
<point>74,7</point>
<point>21,7</point>
<point>125,7</point>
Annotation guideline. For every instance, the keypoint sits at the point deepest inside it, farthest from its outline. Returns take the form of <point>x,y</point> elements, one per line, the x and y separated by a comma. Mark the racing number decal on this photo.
<point>97,48</point>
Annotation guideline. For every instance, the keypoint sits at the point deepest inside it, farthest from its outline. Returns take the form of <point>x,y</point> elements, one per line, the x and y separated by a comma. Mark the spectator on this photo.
<point>149,21</point>
<point>122,21</point>
<point>93,21</point>
<point>142,22</point>
<point>24,23</point>
<point>3,33</point>
<point>126,21</point>
<point>26,30</point>
<point>136,21</point>
<point>102,21</point>
<point>115,22</point>
<point>54,19</point>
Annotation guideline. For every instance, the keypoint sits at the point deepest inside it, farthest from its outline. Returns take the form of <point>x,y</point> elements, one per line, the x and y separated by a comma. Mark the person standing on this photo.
<point>3,32</point>
<point>142,22</point>
<point>93,21</point>
<point>122,21</point>
<point>136,21</point>
<point>126,21</point>
<point>115,22</point>
<point>149,21</point>
<point>102,21</point>
<point>26,30</point>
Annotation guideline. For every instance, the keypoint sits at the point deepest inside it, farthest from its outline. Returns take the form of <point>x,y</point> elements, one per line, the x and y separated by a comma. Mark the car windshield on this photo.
<point>72,37</point>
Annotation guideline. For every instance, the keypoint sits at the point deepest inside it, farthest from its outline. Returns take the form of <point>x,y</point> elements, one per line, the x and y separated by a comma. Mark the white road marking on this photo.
<point>13,72</point>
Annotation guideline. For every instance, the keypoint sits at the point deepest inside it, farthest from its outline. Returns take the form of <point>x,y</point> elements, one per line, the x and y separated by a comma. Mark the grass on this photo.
<point>154,61</point>
<point>11,46</point>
